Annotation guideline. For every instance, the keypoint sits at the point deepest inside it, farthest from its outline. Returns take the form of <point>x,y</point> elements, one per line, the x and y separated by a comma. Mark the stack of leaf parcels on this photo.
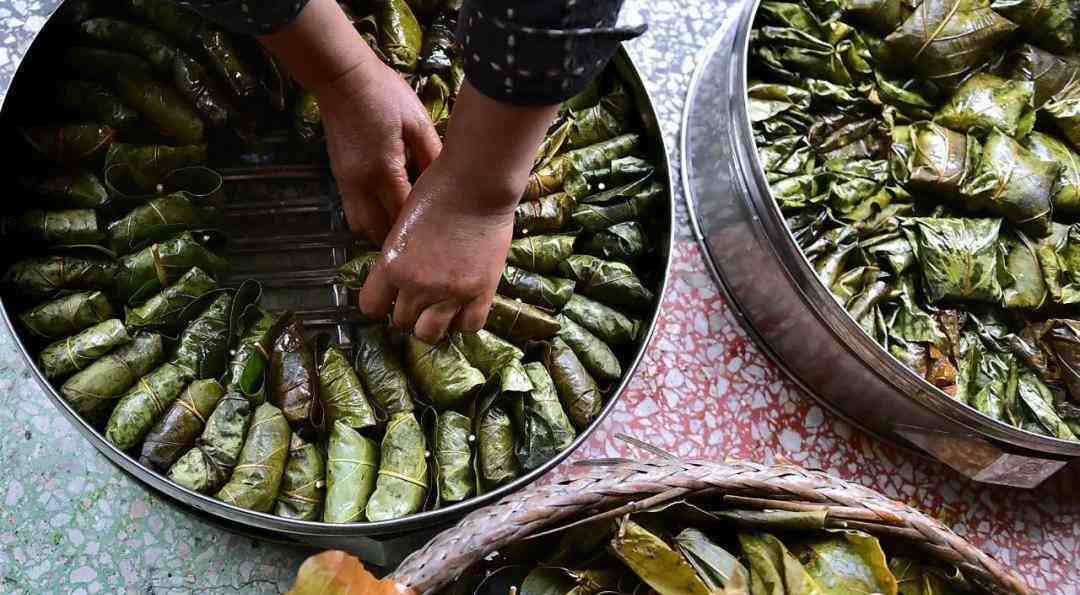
<point>925,158</point>
<point>120,283</point>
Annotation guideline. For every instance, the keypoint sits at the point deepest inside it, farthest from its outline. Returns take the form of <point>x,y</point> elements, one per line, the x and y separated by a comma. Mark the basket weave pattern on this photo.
<point>627,486</point>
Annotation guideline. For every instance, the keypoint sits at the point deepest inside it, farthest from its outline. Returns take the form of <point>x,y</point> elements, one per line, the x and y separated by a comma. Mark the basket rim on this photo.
<point>610,484</point>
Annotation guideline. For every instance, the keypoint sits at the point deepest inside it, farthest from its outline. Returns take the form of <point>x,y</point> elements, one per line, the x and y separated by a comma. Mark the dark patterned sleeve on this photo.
<point>530,52</point>
<point>251,17</point>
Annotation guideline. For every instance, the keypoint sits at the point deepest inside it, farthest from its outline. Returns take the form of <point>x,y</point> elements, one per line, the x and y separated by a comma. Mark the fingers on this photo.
<point>392,188</point>
<point>473,316</point>
<point>377,295</point>
<point>423,142</point>
<point>435,320</point>
<point>407,309</point>
<point>365,216</point>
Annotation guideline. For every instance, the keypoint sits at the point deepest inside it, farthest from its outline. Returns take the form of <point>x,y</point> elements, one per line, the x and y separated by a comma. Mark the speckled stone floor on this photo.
<point>72,523</point>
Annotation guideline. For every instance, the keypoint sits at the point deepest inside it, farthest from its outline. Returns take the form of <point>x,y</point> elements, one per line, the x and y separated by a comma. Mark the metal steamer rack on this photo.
<point>287,231</point>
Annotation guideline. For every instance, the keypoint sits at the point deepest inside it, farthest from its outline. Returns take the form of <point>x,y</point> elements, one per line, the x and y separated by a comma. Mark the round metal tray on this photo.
<point>382,543</point>
<point>793,316</point>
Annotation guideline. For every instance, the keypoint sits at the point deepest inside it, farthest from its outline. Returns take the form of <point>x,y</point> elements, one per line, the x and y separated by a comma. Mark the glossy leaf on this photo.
<point>171,308</point>
<point>453,456</point>
<point>204,344</point>
<point>442,373</point>
<point>608,324</point>
<point>181,425</point>
<point>67,356</point>
<point>1011,182</point>
<point>653,560</point>
<point>382,372</point>
<point>257,476</point>
<point>402,483</point>
<point>547,292</point>
<point>352,462</point>
<point>577,389</point>
<point>610,282</point>
<point>67,315</point>
<point>209,464</point>
<point>540,254</point>
<point>519,322</point>
<point>303,485</point>
<point>93,391</point>
<point>341,393</point>
<point>292,381</point>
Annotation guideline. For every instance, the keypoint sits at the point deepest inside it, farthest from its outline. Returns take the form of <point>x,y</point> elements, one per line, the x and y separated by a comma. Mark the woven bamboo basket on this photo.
<point>617,487</point>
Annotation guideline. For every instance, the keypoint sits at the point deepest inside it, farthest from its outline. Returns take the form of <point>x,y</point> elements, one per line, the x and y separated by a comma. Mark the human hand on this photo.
<point>370,115</point>
<point>371,118</point>
<point>443,258</point>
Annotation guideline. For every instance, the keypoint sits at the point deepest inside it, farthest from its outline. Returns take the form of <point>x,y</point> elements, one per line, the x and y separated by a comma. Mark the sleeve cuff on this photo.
<point>248,17</point>
<point>526,65</point>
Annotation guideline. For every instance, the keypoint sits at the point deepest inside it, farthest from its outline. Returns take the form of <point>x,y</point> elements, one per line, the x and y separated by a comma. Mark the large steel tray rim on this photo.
<point>769,224</point>
<point>229,512</point>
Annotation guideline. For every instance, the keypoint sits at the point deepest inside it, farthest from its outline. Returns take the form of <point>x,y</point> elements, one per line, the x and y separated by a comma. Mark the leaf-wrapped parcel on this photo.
<point>1059,256</point>
<point>144,404</point>
<point>442,373</point>
<point>402,484</point>
<point>160,219</point>
<point>67,356</point>
<point>496,358</point>
<point>610,282</point>
<point>382,372</point>
<point>495,442</point>
<point>941,160</point>
<point>50,276</point>
<point>551,176</point>
<point>518,321</point>
<point>95,103</point>
<point>204,344</point>
<point>595,355</point>
<point>257,477</point>
<point>551,293</point>
<point>162,107</point>
<point>961,259</point>
<point>544,428</point>
<point>1050,24</point>
<point>1011,182</point>
<point>67,227</point>
<point>985,102</point>
<point>147,165</point>
<point>1066,191</point>
<point>352,463</point>
<point>608,324</point>
<point>181,425</point>
<point>540,254</point>
<point>293,378</point>
<point>209,464</point>
<point>67,315</point>
<point>356,271</point>
<point>247,369</point>
<point>945,39</point>
<point>66,144</point>
<point>625,242</point>
<point>1050,73</point>
<point>130,37</point>
<point>453,456</point>
<point>577,389</point>
<point>599,212</point>
<point>75,189</point>
<point>304,484</point>
<point>172,308</point>
<point>400,34</point>
<point>546,214</point>
<point>92,391</point>
<point>158,265</point>
<point>341,392</point>
<point>201,89</point>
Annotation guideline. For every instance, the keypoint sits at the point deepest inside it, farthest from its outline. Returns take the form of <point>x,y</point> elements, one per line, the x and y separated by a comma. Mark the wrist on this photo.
<point>494,143</point>
<point>321,47</point>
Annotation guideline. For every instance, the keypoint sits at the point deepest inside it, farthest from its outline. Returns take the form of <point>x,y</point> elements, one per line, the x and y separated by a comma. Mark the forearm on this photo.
<point>319,46</point>
<point>494,143</point>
